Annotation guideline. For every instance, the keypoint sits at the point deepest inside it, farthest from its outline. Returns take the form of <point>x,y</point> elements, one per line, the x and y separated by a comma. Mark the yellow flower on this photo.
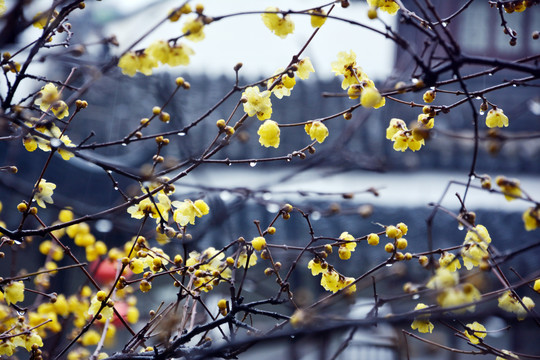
<point>422,322</point>
<point>478,234</point>
<point>91,337</point>
<point>40,19</point>
<point>429,96</point>
<point>257,102</point>
<point>95,305</point>
<point>315,266</point>
<point>351,244</point>
<point>473,254</point>
<point>426,121</point>
<point>258,243</point>
<point>402,137</point>
<point>187,210</point>
<point>44,193</point>
<point>509,187</point>
<point>317,21</point>
<point>243,257</point>
<point>346,65</point>
<point>496,118</point>
<point>269,133</point>
<point>60,109</point>
<point>510,303</point>
<point>14,292</point>
<point>146,207</point>
<point>281,85</point>
<point>370,97</point>
<point>449,261</point>
<point>7,347</point>
<point>47,96</point>
<point>396,125</point>
<point>194,26</point>
<point>536,286</point>
<point>172,55</point>
<point>373,239</point>
<point>442,279</point>
<point>131,62</point>
<point>475,332</point>
<point>330,280</point>
<point>2,7</point>
<point>316,131</point>
<point>388,6</point>
<point>531,218</point>
<point>281,26</point>
<point>459,296</point>
<point>304,68</point>
<point>508,356</point>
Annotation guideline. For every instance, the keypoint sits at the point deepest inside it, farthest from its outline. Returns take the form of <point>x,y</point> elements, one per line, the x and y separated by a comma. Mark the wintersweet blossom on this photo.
<point>175,55</point>
<point>146,207</point>
<point>305,67</point>
<point>475,332</point>
<point>257,102</point>
<point>131,62</point>
<point>449,261</point>
<point>44,193</point>
<point>187,210</point>
<point>496,118</point>
<point>269,133</point>
<point>531,218</point>
<point>318,17</point>
<point>194,28</point>
<point>389,6</point>
<point>95,305</point>
<point>510,187</point>
<point>14,292</point>
<point>475,246</point>
<point>509,302</point>
<point>279,25</point>
<point>281,84</point>
<point>421,322</point>
<point>402,137</point>
<point>508,355</point>
<point>459,296</point>
<point>316,131</point>
<point>315,266</point>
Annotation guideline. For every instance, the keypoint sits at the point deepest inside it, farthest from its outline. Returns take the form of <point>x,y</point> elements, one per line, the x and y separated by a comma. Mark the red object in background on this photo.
<point>104,272</point>
<point>122,308</point>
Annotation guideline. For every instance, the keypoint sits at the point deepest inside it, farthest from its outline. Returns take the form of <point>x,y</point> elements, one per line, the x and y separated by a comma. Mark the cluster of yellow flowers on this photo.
<point>388,6</point>
<point>209,268</point>
<point>475,332</point>
<point>259,103</point>
<point>166,52</point>
<point>279,25</point>
<point>316,131</point>
<point>331,280</point>
<point>509,302</point>
<point>31,143</point>
<point>421,322</point>
<point>49,99</point>
<point>451,293</point>
<point>159,51</point>
<point>402,137</point>
<point>475,245</point>
<point>357,81</point>
<point>517,6</point>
